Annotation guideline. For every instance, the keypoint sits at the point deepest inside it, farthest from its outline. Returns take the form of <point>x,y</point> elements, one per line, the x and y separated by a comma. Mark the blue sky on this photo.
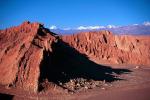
<point>74,13</point>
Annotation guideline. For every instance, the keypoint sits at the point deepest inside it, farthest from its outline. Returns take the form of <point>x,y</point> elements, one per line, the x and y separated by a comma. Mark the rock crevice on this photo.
<point>30,53</point>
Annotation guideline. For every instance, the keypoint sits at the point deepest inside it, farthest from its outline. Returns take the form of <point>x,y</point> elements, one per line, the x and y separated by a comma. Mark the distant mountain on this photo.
<point>143,29</point>
<point>132,29</point>
<point>32,57</point>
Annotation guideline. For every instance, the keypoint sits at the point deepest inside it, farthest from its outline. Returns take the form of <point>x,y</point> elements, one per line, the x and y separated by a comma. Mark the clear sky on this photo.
<point>74,13</point>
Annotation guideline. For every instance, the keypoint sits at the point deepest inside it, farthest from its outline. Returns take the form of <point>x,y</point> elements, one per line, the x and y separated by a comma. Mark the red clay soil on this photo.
<point>37,61</point>
<point>134,87</point>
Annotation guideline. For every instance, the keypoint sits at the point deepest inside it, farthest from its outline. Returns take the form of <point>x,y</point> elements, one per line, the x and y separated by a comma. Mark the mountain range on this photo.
<point>135,29</point>
<point>35,62</point>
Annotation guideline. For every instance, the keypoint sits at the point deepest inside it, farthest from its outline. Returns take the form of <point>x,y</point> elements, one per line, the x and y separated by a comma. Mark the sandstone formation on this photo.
<point>27,49</point>
<point>21,52</point>
<point>104,47</point>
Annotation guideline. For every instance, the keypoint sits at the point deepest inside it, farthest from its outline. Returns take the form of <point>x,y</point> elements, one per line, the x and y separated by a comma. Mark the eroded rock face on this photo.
<point>29,52</point>
<point>21,52</point>
<point>104,47</point>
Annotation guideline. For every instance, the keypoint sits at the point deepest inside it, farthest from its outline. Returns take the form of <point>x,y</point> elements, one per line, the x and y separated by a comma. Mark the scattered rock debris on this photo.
<point>73,85</point>
<point>137,67</point>
<point>81,84</point>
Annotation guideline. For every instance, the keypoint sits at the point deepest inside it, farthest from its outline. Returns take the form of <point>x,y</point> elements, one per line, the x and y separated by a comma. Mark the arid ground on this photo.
<point>134,85</point>
<point>37,64</point>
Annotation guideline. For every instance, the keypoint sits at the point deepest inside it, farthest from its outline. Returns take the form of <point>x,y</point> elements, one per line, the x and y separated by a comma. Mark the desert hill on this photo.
<point>30,53</point>
<point>104,46</point>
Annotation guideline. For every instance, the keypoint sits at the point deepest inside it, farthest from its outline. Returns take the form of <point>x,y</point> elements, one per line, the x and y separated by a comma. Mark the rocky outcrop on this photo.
<point>30,53</point>
<point>104,47</point>
<point>21,52</point>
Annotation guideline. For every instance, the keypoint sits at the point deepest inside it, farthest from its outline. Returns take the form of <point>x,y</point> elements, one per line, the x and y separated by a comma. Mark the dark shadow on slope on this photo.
<point>66,63</point>
<point>6,96</point>
<point>43,31</point>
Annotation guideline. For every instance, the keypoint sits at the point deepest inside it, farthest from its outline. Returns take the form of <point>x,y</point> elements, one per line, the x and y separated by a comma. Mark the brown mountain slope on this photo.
<point>104,47</point>
<point>30,53</point>
<point>21,52</point>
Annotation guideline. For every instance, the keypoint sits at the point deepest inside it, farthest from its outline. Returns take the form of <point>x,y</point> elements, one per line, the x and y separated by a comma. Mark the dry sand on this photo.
<point>135,86</point>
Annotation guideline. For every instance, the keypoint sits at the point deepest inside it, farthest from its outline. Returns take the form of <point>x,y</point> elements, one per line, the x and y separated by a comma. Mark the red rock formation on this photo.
<point>21,52</point>
<point>104,47</point>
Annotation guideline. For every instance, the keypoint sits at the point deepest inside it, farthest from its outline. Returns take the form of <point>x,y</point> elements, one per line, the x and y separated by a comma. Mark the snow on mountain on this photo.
<point>89,27</point>
<point>146,23</point>
<point>130,29</point>
<point>53,27</point>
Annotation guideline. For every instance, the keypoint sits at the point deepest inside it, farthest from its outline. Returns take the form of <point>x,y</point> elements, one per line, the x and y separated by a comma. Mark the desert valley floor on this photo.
<point>134,86</point>
<point>37,64</point>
